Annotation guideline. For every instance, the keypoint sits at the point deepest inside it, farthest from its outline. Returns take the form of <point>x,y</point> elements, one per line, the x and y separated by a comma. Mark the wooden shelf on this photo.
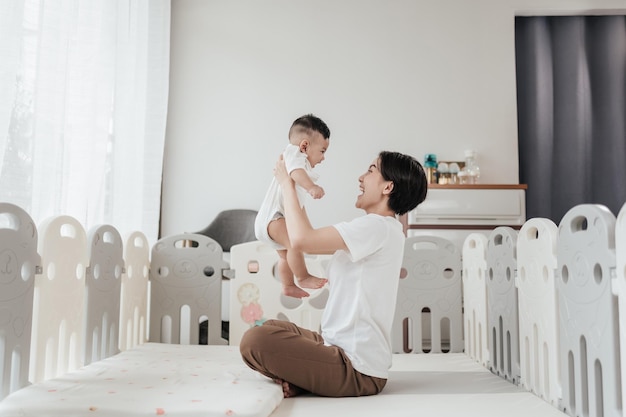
<point>458,226</point>
<point>478,186</point>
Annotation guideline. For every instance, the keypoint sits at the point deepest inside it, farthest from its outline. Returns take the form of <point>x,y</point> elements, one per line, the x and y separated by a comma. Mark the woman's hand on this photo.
<point>280,171</point>
<point>302,235</point>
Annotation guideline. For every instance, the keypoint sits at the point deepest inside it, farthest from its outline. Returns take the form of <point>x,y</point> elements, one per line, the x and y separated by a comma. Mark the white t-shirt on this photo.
<point>363,289</point>
<point>273,206</point>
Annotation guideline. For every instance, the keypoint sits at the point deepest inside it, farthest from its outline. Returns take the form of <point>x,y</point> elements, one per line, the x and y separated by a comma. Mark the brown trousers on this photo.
<point>281,350</point>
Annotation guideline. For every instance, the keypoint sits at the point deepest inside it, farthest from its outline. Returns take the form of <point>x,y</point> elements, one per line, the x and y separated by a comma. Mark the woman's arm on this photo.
<point>302,235</point>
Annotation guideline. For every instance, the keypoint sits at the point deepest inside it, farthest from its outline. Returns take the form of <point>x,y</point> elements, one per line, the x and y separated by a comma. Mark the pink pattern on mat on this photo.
<point>185,380</point>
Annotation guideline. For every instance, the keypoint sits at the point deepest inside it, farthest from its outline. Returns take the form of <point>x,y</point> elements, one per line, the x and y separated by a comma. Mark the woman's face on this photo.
<point>372,186</point>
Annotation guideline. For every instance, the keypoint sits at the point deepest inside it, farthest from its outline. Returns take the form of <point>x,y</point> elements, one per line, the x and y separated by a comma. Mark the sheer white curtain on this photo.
<point>83,101</point>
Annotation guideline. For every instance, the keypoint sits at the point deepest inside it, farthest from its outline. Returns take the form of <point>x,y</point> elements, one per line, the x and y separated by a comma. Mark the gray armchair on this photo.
<point>231,227</point>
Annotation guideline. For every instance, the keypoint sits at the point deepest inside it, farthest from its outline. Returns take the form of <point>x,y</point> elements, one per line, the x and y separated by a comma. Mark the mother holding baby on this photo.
<point>352,354</point>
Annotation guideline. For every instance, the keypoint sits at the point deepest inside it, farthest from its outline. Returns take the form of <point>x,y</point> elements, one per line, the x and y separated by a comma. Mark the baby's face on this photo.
<point>317,148</point>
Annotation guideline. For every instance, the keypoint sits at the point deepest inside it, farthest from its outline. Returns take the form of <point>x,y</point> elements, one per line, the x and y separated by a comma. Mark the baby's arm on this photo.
<point>301,178</point>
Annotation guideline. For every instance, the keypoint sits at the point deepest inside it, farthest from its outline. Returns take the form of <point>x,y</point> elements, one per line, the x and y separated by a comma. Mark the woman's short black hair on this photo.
<point>409,180</point>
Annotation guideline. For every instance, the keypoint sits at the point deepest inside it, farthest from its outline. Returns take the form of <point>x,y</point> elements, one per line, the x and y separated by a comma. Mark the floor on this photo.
<point>430,385</point>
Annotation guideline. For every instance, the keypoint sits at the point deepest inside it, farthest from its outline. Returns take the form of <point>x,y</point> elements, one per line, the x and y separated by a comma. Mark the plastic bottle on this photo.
<point>443,173</point>
<point>454,172</point>
<point>430,167</point>
<point>470,174</point>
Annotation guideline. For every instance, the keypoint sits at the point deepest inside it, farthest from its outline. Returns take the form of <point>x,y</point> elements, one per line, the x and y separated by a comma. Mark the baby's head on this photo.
<point>312,136</point>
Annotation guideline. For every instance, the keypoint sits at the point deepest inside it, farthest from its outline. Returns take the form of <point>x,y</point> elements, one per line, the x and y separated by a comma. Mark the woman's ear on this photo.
<point>388,188</point>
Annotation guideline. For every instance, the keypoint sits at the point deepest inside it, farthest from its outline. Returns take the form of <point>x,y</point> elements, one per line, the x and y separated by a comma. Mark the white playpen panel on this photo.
<point>475,297</point>
<point>619,288</point>
<point>538,321</point>
<point>429,316</point>
<point>589,342</point>
<point>134,292</point>
<point>502,301</point>
<point>102,293</point>
<point>57,336</point>
<point>19,261</point>
<point>186,288</point>
<point>256,293</point>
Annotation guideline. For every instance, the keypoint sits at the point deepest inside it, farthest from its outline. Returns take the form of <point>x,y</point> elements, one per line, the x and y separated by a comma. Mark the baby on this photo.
<point>308,141</point>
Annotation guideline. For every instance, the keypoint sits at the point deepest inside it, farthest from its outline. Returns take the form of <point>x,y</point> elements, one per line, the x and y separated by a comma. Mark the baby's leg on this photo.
<point>298,266</point>
<point>277,229</point>
<point>285,274</point>
<point>291,262</point>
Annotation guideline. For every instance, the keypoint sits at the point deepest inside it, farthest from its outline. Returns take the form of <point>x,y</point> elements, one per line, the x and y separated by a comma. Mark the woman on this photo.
<point>352,355</point>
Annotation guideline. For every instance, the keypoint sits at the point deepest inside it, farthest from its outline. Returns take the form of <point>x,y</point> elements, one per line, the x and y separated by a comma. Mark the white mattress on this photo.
<point>152,379</point>
<point>182,380</point>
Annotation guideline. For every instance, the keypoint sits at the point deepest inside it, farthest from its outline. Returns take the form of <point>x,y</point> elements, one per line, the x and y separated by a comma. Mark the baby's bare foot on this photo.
<point>312,282</point>
<point>294,291</point>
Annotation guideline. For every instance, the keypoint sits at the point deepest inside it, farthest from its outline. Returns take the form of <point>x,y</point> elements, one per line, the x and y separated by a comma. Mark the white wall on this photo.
<point>413,76</point>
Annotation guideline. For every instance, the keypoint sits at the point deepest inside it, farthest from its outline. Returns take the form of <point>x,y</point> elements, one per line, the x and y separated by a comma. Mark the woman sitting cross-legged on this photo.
<point>352,354</point>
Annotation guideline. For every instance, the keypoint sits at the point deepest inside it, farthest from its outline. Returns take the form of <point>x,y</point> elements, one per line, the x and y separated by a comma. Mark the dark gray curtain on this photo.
<point>571,95</point>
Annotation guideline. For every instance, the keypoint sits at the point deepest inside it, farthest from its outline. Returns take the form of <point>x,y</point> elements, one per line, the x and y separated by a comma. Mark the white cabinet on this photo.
<point>455,211</point>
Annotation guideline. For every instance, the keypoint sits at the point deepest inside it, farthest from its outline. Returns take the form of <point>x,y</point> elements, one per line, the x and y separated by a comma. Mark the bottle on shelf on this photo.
<point>430,168</point>
<point>443,173</point>
<point>470,174</point>
<point>454,173</point>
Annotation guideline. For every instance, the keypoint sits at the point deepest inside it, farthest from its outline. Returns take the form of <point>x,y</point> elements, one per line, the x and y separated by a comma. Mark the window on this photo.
<point>83,101</point>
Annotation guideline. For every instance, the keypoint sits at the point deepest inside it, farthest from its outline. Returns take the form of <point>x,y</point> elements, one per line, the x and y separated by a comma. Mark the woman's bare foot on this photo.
<point>312,282</point>
<point>288,389</point>
<point>294,291</point>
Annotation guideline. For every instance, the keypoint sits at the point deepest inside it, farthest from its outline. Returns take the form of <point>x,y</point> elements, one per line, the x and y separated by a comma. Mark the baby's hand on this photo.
<point>316,192</point>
